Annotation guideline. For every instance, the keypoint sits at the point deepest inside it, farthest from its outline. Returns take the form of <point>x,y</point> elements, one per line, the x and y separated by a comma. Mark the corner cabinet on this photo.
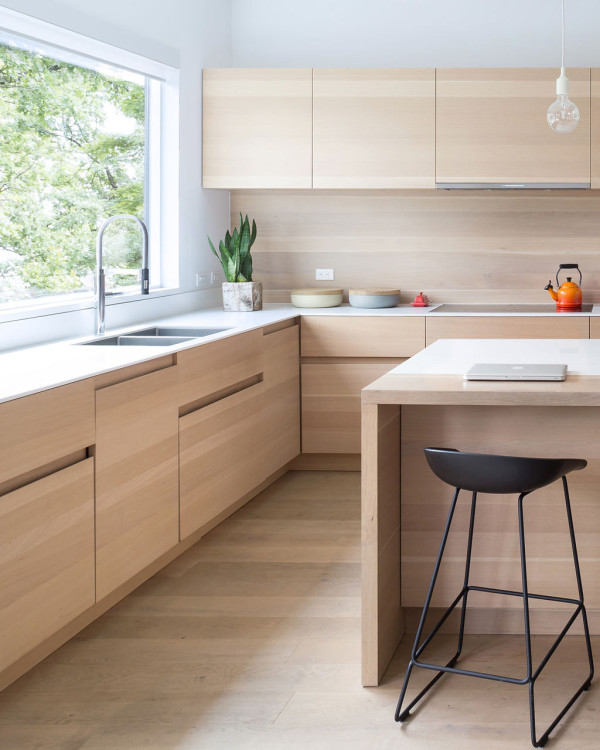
<point>374,128</point>
<point>491,127</point>
<point>257,128</point>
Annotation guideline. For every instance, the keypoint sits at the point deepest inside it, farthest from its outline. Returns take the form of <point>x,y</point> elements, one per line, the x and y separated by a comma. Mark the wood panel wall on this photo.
<point>454,245</point>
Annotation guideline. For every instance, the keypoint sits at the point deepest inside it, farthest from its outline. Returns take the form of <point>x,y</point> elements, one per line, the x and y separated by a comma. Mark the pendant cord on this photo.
<point>562,59</point>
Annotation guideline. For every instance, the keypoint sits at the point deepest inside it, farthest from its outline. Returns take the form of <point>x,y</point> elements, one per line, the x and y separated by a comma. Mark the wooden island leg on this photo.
<point>382,621</point>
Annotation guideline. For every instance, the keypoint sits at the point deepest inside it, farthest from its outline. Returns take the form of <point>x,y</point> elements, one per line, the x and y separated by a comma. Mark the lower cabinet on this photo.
<point>137,513</point>
<point>229,447</point>
<point>523,327</point>
<point>46,557</point>
<point>331,404</point>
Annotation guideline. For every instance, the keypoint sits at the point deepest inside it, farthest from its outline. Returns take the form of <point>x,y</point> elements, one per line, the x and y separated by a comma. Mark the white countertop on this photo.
<point>38,368</point>
<point>456,356</point>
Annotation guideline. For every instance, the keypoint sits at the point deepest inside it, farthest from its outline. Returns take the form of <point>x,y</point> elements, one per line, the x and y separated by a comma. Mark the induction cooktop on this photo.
<point>499,308</point>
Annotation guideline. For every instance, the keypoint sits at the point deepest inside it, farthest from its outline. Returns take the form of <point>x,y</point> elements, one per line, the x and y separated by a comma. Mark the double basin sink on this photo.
<point>155,336</point>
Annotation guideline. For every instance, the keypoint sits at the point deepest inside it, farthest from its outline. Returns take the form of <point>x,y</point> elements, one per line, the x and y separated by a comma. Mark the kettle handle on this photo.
<point>568,265</point>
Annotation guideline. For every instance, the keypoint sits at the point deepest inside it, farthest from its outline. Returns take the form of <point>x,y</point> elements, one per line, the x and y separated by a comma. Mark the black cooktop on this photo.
<point>499,308</point>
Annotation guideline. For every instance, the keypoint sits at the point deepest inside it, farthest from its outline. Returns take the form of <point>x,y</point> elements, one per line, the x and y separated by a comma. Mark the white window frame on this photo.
<point>161,199</point>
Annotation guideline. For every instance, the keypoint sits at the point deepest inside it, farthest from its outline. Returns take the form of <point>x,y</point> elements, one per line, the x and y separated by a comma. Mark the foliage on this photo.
<point>63,170</point>
<point>234,251</point>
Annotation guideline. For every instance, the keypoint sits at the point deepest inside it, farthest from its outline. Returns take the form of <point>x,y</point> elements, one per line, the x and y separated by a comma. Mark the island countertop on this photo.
<point>435,375</point>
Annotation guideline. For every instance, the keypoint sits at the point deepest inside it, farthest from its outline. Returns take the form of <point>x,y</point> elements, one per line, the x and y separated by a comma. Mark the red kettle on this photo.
<point>568,296</point>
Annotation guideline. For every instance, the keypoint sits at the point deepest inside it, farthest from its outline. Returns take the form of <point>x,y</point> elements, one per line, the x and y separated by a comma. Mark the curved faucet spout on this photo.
<point>100,278</point>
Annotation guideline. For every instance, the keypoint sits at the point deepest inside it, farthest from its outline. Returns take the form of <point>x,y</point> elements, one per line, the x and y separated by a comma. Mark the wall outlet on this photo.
<point>324,274</point>
<point>201,279</point>
<point>214,279</point>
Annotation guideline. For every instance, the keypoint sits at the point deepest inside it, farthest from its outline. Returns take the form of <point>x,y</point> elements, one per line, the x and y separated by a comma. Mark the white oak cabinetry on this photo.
<point>257,128</point>
<point>491,127</point>
<point>595,126</point>
<point>475,327</point>
<point>137,514</point>
<point>340,356</point>
<point>234,440</point>
<point>595,328</point>
<point>374,128</point>
<point>46,557</point>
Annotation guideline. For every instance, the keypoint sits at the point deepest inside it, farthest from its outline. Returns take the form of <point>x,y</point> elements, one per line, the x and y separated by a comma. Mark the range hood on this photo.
<point>512,185</point>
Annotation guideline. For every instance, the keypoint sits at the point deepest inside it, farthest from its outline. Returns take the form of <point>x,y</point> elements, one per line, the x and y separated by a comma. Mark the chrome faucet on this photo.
<point>100,278</point>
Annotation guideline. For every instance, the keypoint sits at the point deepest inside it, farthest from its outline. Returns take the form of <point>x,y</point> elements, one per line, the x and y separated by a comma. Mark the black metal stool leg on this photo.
<point>463,613</point>
<point>400,714</point>
<point>586,629</point>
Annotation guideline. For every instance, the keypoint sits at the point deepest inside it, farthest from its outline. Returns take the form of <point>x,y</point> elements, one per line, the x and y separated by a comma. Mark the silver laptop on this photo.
<point>489,371</point>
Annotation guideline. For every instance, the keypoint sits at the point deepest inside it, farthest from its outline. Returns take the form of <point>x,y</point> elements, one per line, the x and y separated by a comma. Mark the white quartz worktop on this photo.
<point>38,368</point>
<point>456,356</point>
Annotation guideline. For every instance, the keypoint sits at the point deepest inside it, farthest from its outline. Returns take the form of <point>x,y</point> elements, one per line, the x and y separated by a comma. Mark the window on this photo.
<point>82,138</point>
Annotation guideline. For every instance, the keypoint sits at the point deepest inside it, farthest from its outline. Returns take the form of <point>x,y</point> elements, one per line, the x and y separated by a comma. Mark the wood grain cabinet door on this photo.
<point>374,128</point>
<point>46,557</point>
<point>257,128</point>
<point>491,127</point>
<point>482,327</point>
<point>137,514</point>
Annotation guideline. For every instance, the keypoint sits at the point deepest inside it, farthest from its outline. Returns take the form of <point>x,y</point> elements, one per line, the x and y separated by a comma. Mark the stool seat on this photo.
<point>481,472</point>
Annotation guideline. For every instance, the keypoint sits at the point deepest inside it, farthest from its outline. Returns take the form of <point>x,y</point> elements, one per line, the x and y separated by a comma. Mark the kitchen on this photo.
<point>302,673</point>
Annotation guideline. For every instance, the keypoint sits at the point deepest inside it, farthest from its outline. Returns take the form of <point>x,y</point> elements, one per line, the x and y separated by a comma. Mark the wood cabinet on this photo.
<point>46,557</point>
<point>491,127</point>
<point>340,356</point>
<point>475,327</point>
<point>137,515</point>
<point>216,367</point>
<point>594,328</point>
<point>362,336</point>
<point>257,128</point>
<point>229,446</point>
<point>40,429</point>
<point>595,127</point>
<point>374,128</point>
<point>331,403</point>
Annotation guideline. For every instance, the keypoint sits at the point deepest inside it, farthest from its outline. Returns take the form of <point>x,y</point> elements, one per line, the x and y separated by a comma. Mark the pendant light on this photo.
<point>563,115</point>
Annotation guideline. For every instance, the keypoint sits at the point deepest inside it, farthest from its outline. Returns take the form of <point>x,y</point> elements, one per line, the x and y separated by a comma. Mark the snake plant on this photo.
<point>234,251</point>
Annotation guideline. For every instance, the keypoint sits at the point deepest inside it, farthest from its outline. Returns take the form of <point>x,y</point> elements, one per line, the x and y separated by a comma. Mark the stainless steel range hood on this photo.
<point>512,185</point>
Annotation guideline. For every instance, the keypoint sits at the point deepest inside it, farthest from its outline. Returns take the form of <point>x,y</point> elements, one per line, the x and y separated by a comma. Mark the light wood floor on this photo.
<point>251,640</point>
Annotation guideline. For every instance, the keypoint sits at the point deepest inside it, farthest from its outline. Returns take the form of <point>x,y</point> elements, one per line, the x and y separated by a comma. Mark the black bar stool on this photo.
<point>477,472</point>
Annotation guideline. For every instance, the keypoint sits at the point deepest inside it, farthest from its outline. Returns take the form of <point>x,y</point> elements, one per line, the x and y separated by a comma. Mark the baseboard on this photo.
<point>326,462</point>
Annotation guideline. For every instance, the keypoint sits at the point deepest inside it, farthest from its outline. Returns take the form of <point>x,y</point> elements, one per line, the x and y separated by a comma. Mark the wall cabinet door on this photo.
<point>46,557</point>
<point>257,128</point>
<point>491,127</point>
<point>137,515</point>
<point>374,128</point>
<point>449,327</point>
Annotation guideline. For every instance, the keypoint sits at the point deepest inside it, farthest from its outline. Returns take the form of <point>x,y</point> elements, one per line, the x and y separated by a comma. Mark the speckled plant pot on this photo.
<point>242,296</point>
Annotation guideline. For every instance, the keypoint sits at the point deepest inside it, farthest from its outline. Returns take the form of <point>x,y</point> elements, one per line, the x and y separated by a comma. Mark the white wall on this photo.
<point>413,33</point>
<point>188,34</point>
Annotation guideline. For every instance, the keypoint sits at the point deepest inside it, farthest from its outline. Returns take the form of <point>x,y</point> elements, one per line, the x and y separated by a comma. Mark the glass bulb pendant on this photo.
<point>563,115</point>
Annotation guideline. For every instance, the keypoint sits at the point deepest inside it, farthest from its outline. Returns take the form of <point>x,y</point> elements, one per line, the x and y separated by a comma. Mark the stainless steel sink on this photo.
<point>155,336</point>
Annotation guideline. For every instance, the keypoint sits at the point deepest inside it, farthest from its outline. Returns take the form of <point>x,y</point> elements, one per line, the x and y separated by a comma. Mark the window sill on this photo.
<point>85,303</point>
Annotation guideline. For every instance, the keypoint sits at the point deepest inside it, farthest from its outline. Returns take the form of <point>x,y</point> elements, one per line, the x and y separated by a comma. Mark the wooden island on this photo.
<point>426,402</point>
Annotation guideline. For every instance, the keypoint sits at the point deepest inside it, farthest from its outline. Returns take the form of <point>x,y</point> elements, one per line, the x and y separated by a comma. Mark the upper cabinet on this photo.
<point>257,128</point>
<point>491,127</point>
<point>595,117</point>
<point>374,128</point>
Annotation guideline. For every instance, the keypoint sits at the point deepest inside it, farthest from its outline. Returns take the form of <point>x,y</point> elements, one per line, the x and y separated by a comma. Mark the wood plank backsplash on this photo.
<point>469,245</point>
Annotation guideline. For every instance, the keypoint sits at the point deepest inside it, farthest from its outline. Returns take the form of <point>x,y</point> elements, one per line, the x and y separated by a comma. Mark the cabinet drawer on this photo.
<point>358,336</point>
<point>46,558</point>
<point>331,404</point>
<point>36,430</point>
<point>506,328</point>
<point>219,456</point>
<point>210,368</point>
<point>595,328</point>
